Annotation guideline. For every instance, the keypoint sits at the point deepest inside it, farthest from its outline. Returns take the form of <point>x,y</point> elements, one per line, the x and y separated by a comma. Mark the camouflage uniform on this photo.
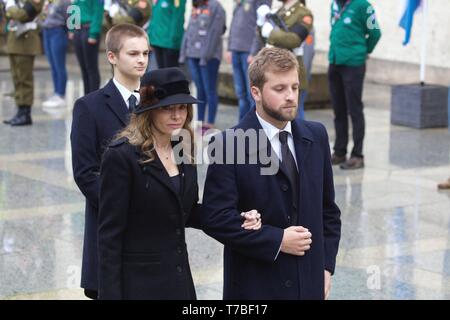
<point>295,24</point>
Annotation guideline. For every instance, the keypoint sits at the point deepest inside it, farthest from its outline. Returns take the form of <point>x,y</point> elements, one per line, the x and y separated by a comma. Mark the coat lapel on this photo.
<point>303,140</point>
<point>265,147</point>
<point>263,150</point>
<point>302,136</point>
<point>156,169</point>
<point>115,102</point>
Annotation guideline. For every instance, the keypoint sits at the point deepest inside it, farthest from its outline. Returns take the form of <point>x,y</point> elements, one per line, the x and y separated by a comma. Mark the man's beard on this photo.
<point>277,114</point>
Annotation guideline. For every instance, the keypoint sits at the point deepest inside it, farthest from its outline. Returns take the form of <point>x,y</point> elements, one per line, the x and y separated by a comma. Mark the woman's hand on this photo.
<point>252,220</point>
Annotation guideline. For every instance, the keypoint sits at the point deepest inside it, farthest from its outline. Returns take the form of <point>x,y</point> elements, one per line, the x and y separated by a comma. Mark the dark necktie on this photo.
<point>288,164</point>
<point>288,159</point>
<point>132,100</point>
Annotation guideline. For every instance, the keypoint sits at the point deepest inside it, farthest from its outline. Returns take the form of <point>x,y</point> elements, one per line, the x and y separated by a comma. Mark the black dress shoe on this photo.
<point>335,159</point>
<point>353,163</point>
<point>21,120</point>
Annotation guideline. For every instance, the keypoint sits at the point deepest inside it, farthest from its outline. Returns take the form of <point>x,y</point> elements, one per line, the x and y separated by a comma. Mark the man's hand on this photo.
<point>252,220</point>
<point>70,35</point>
<point>250,59</point>
<point>327,282</point>
<point>296,240</point>
<point>92,41</point>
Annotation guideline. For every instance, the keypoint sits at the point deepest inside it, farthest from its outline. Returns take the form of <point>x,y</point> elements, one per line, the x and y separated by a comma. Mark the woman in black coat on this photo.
<point>148,194</point>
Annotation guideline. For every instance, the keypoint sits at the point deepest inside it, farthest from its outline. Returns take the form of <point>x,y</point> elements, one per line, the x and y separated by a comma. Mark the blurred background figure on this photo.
<point>240,39</point>
<point>23,44</point>
<point>86,41</point>
<point>288,27</point>
<point>308,57</point>
<point>202,49</point>
<point>352,39</point>
<point>166,31</point>
<point>136,12</point>
<point>55,42</point>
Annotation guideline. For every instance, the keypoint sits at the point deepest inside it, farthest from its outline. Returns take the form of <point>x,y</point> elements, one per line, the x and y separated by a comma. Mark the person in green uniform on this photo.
<point>86,39</point>
<point>287,28</point>
<point>354,35</point>
<point>136,12</point>
<point>23,44</point>
<point>166,31</point>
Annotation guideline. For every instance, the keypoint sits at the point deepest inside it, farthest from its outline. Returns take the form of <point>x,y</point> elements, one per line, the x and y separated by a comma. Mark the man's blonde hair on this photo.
<point>270,59</point>
<point>116,35</point>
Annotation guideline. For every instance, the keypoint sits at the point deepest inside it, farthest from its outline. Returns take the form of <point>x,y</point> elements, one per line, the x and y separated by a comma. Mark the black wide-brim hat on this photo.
<point>170,87</point>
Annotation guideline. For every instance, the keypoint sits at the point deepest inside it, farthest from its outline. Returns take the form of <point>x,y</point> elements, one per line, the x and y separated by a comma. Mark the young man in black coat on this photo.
<point>294,254</point>
<point>97,117</point>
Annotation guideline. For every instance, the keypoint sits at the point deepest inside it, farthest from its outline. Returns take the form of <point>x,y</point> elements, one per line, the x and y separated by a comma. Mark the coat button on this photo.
<point>178,231</point>
<point>288,283</point>
<point>284,187</point>
<point>179,268</point>
<point>179,250</point>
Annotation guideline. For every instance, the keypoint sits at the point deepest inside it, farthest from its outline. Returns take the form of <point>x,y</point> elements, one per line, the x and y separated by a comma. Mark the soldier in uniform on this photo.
<point>287,28</point>
<point>136,12</point>
<point>23,44</point>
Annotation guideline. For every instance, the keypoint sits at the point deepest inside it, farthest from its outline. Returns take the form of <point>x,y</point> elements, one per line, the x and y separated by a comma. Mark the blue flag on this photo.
<point>407,19</point>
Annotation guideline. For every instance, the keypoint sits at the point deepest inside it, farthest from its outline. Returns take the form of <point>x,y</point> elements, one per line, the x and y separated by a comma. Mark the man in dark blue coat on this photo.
<point>97,117</point>
<point>281,167</point>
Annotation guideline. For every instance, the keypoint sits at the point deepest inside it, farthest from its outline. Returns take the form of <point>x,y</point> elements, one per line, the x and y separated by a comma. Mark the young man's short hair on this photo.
<point>270,59</point>
<point>115,36</point>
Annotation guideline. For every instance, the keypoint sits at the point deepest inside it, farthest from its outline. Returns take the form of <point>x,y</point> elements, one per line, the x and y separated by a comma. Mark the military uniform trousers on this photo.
<point>22,74</point>
<point>22,52</point>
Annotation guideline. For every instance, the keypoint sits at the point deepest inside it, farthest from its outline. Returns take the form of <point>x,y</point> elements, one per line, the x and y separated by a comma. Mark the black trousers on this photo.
<point>346,88</point>
<point>87,56</point>
<point>165,57</point>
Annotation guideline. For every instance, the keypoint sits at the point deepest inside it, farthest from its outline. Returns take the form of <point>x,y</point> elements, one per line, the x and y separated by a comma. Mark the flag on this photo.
<point>406,21</point>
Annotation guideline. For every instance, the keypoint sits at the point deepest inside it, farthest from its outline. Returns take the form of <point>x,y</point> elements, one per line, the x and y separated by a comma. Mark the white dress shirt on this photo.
<point>272,133</point>
<point>126,93</point>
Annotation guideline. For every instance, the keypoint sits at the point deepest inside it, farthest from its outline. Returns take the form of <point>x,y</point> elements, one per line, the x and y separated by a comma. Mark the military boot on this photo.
<point>22,118</point>
<point>17,114</point>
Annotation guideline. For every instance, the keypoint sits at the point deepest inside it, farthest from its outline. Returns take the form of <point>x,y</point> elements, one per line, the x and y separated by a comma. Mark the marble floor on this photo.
<point>396,225</point>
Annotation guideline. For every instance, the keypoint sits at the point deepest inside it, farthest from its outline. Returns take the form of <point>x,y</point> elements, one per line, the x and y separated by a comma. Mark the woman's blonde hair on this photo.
<point>139,131</point>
